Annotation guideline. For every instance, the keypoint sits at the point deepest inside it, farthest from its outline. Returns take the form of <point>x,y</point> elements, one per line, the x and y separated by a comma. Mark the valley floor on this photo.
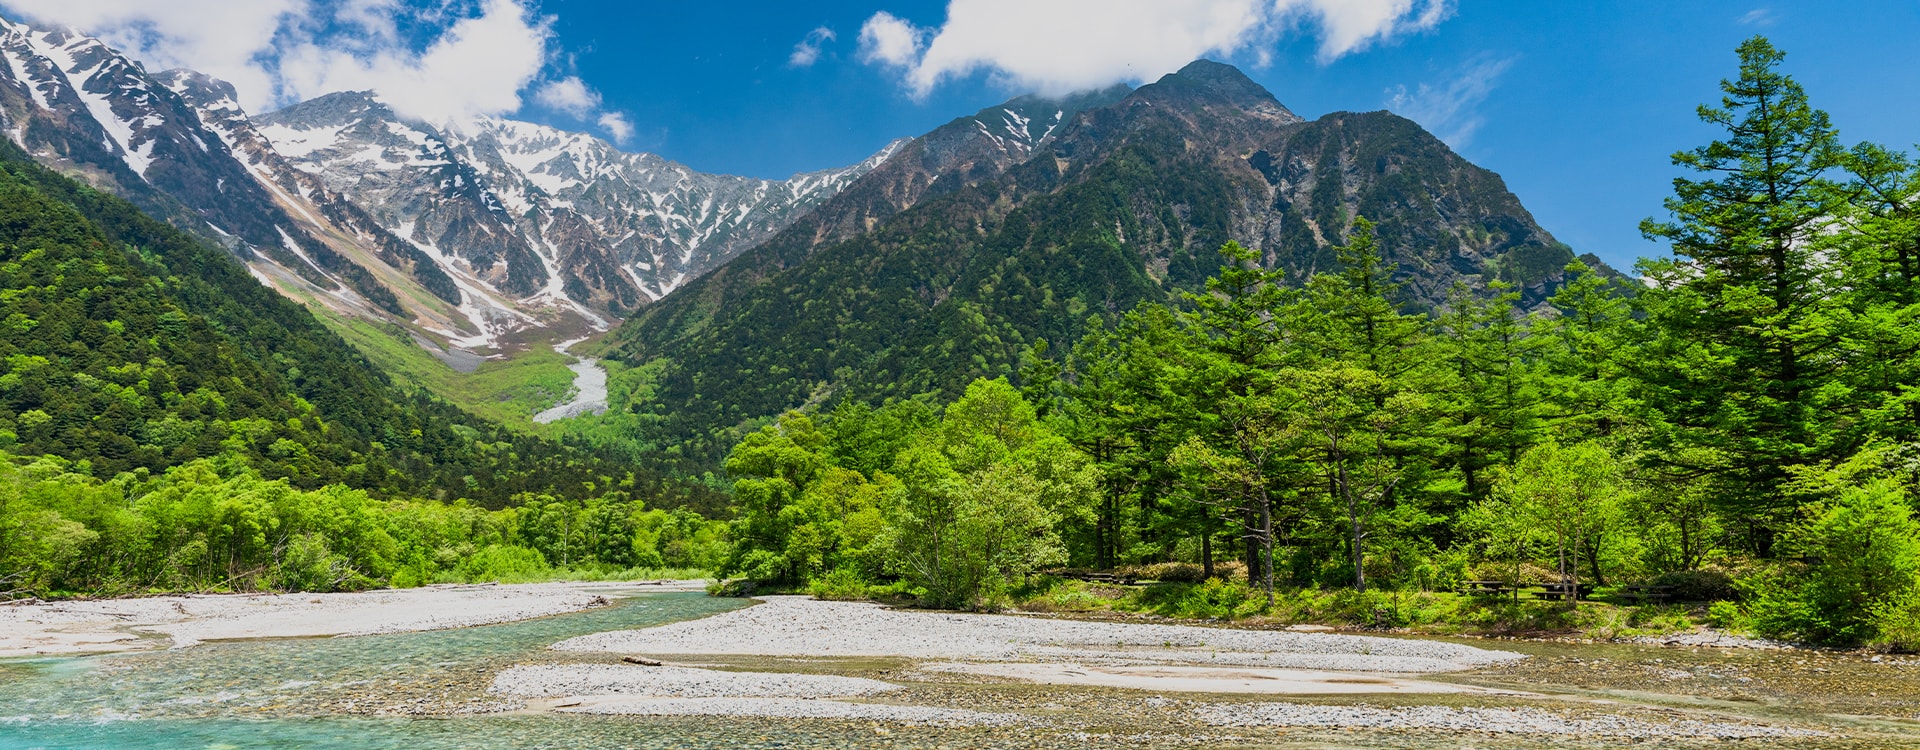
<point>791,671</point>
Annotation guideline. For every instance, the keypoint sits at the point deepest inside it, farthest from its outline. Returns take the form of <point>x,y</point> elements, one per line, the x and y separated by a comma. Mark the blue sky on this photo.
<point>1577,105</point>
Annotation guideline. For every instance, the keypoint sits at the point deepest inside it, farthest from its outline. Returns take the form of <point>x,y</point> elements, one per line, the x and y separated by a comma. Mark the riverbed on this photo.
<point>589,385</point>
<point>506,685</point>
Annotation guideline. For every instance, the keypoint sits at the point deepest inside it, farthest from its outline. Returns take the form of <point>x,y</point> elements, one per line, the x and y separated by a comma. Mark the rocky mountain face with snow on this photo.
<point>465,231</point>
<point>80,107</point>
<point>538,212</point>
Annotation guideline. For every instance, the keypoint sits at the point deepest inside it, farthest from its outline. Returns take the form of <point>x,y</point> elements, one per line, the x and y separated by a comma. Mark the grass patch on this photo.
<point>509,391</point>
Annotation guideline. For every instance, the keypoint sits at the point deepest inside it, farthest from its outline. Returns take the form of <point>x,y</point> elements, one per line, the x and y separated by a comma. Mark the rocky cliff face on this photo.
<point>75,104</point>
<point>540,213</point>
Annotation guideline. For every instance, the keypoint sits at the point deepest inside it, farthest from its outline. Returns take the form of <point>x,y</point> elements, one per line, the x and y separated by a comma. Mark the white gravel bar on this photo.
<point>791,708</point>
<point>799,626</point>
<point>1488,720</point>
<point>553,680</point>
<point>91,626</point>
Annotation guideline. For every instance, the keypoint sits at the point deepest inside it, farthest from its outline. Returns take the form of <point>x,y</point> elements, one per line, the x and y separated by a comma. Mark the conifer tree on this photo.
<point>1748,327</point>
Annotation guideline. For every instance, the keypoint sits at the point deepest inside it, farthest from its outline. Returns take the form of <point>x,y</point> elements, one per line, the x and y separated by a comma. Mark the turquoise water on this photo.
<point>192,698</point>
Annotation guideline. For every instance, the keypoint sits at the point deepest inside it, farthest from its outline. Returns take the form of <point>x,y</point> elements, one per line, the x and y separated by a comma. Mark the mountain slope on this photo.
<point>128,344</point>
<point>466,233</point>
<point>1126,202</point>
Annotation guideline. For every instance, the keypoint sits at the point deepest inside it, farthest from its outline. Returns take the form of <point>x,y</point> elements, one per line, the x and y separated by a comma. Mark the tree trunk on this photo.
<point>1266,544</point>
<point>1593,561</point>
<point>1353,521</point>
<point>1206,551</point>
<point>1251,553</point>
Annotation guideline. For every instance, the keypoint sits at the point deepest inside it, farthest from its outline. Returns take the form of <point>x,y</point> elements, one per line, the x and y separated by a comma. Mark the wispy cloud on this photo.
<point>1066,45</point>
<point>807,51</point>
<point>1451,109</point>
<point>1757,17</point>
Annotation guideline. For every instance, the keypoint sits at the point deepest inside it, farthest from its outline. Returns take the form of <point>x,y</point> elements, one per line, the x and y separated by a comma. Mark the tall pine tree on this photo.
<point>1749,332</point>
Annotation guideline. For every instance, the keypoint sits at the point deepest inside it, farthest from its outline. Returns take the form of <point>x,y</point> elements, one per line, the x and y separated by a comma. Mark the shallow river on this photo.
<point>302,693</point>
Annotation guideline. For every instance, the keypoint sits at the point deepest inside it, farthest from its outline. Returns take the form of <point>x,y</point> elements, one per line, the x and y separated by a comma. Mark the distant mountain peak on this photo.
<point>1223,82</point>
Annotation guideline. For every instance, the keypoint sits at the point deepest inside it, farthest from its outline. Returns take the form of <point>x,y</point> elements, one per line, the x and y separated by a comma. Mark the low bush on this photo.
<point>1215,598</point>
<point>505,564</point>
<point>1848,571</point>
<point>841,585</point>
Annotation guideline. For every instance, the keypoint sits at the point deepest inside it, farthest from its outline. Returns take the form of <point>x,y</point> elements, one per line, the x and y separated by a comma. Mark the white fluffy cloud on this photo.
<point>617,125</point>
<point>1451,110</point>
<point>1058,46</point>
<point>461,60</point>
<point>569,95</point>
<point>478,65</point>
<point>888,40</point>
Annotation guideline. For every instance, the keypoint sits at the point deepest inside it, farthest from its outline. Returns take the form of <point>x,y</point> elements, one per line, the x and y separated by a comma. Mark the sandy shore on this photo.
<point>94,626</point>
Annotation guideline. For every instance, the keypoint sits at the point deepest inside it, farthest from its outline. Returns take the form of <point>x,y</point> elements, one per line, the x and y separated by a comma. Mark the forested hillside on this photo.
<point>1739,434</point>
<point>1123,203</point>
<point>129,345</point>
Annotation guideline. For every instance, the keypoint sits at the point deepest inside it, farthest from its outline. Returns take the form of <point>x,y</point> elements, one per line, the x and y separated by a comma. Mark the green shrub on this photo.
<point>1896,623</point>
<point>1215,598</point>
<point>1725,615</point>
<point>840,585</point>
<point>307,565</point>
<point>1846,568</point>
<point>506,564</point>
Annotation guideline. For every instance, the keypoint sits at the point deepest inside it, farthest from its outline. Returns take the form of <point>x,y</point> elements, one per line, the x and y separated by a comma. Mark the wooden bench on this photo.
<point>1561,591</point>
<point>1645,593</point>
<point>1115,579</point>
<point>1486,587</point>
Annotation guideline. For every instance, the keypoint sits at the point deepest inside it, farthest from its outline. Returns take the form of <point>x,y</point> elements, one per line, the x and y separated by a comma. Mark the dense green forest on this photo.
<point>209,525</point>
<point>209,433</point>
<point>1742,426</point>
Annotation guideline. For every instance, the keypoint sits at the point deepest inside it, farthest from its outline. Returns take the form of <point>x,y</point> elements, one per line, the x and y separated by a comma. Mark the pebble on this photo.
<point>554,680</point>
<point>1489,720</point>
<point>791,708</point>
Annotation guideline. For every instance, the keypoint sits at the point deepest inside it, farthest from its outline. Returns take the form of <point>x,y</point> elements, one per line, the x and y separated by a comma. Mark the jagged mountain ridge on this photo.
<point>1124,202</point>
<point>520,200</point>
<point>84,109</point>
<point>466,231</point>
